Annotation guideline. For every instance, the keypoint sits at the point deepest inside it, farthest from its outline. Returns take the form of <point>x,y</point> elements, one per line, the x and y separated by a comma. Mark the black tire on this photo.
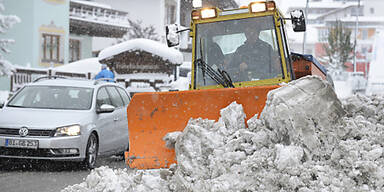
<point>2,162</point>
<point>91,152</point>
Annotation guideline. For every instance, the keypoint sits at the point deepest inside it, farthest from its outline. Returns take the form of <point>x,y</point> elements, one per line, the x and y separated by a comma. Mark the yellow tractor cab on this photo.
<point>241,47</point>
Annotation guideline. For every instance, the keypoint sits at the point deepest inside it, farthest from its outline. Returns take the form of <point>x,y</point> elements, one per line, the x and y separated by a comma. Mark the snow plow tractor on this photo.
<point>237,55</point>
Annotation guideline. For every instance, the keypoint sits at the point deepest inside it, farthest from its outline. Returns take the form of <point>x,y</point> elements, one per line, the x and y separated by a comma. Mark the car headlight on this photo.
<point>71,130</point>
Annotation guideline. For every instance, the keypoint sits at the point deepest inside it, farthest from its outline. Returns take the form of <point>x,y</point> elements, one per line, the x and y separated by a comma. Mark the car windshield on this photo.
<point>225,45</point>
<point>53,97</point>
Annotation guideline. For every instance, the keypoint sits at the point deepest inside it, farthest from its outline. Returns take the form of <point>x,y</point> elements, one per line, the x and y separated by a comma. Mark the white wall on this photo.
<point>150,12</point>
<point>376,5</point>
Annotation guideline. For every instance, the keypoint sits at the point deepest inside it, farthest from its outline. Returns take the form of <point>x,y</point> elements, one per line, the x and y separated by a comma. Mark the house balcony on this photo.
<point>97,20</point>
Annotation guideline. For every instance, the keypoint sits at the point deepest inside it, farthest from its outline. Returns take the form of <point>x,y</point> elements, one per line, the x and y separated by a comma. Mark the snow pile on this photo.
<point>106,179</point>
<point>369,107</point>
<point>343,89</point>
<point>305,140</point>
<point>172,55</point>
<point>182,83</point>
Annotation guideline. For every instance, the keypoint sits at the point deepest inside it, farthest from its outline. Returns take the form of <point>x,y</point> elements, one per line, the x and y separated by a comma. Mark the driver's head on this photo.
<point>252,33</point>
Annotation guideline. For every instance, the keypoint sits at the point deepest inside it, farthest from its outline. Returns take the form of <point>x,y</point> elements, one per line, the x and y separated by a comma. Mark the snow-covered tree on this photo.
<point>6,22</point>
<point>339,48</point>
<point>137,30</point>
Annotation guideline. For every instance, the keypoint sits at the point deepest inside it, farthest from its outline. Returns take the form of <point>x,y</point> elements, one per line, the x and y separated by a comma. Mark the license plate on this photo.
<point>18,143</point>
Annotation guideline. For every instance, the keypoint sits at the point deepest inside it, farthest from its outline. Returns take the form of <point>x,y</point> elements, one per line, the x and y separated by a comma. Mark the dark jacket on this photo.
<point>259,57</point>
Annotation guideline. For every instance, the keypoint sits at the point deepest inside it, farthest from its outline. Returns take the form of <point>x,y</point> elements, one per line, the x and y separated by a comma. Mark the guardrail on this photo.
<point>23,76</point>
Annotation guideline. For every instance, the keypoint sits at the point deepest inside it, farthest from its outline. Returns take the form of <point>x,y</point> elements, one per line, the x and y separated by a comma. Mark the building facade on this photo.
<point>56,32</point>
<point>322,15</point>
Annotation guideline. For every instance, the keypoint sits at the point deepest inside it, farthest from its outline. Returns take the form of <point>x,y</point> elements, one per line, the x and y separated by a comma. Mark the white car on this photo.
<point>65,119</point>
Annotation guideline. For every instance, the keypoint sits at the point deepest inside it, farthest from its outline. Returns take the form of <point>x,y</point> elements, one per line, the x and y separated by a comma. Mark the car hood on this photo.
<point>41,118</point>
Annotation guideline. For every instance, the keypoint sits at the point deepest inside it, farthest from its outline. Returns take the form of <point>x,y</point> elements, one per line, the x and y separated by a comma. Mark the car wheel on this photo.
<point>91,152</point>
<point>2,162</point>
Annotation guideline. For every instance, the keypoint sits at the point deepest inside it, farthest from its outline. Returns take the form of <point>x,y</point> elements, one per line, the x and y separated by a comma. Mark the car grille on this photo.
<point>20,152</point>
<point>31,132</point>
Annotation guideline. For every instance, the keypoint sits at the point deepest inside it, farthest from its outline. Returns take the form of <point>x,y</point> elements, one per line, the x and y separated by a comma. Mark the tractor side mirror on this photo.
<point>172,35</point>
<point>298,21</point>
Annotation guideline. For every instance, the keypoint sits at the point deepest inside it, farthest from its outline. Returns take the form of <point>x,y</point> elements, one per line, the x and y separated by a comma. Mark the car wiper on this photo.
<point>226,78</point>
<point>220,76</point>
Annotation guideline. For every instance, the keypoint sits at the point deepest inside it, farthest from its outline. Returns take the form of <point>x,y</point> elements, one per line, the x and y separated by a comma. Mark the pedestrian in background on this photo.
<point>105,73</point>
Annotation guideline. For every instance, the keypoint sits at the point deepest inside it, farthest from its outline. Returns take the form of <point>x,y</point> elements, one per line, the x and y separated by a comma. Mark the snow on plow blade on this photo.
<point>152,115</point>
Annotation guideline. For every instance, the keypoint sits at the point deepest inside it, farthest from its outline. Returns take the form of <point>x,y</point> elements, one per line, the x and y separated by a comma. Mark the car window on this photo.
<point>115,97</point>
<point>102,97</point>
<point>123,95</point>
<point>53,97</point>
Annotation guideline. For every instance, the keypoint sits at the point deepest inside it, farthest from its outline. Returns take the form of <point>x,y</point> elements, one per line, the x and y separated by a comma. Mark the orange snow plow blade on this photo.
<point>152,115</point>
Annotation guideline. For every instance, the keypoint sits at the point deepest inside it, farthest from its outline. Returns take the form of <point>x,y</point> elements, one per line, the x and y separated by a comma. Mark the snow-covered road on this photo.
<point>44,176</point>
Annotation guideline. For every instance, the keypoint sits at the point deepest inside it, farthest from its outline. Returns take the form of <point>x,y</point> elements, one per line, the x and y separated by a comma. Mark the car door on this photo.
<point>124,129</point>
<point>120,128</point>
<point>104,122</point>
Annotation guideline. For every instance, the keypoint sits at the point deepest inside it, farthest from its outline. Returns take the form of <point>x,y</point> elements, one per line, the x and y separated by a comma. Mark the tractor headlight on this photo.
<point>270,5</point>
<point>257,7</point>
<point>208,13</point>
<point>71,130</point>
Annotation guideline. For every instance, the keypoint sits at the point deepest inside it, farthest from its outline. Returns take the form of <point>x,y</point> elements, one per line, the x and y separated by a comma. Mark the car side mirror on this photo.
<point>105,108</point>
<point>172,35</point>
<point>298,21</point>
<point>1,105</point>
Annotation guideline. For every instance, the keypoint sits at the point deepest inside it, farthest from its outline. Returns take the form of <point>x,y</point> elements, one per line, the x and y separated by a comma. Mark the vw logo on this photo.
<point>23,131</point>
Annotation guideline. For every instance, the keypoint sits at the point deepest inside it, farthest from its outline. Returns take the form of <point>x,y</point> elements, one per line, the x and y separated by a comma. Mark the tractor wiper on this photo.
<point>220,76</point>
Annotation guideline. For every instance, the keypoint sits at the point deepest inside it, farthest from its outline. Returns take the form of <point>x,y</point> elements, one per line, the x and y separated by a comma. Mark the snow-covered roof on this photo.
<point>325,4</point>
<point>149,76</point>
<point>336,10</point>
<point>172,55</point>
<point>362,19</point>
<point>93,4</point>
<point>140,89</point>
<point>66,82</point>
<point>332,4</point>
<point>123,24</point>
<point>82,66</point>
<point>186,64</point>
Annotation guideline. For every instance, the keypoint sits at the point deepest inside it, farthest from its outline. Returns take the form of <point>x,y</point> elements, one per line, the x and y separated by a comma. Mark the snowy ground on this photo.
<point>304,141</point>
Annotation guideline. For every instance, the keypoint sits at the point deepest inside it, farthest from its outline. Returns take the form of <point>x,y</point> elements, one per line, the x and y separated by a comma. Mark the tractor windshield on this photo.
<point>246,49</point>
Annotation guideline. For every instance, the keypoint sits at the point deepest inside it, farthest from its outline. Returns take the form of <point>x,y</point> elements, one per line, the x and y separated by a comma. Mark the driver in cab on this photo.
<point>255,59</point>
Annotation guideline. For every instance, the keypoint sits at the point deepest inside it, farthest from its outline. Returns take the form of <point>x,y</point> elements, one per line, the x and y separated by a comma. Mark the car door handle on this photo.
<point>115,119</point>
